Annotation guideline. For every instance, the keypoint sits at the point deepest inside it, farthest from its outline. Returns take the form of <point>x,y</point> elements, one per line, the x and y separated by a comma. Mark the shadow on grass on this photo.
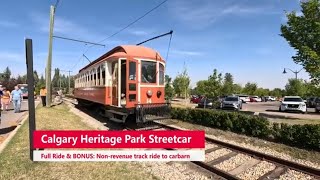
<point>7,129</point>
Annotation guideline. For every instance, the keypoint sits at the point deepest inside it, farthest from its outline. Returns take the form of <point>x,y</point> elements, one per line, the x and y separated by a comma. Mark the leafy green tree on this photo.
<point>169,91</point>
<point>201,87</point>
<point>237,88</point>
<point>277,92</point>
<point>181,83</point>
<point>295,87</point>
<point>55,79</point>
<point>213,85</point>
<point>303,34</point>
<point>250,88</point>
<point>261,92</point>
<point>228,87</point>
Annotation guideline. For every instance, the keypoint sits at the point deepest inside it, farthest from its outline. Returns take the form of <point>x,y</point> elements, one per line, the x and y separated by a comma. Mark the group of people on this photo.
<point>14,96</point>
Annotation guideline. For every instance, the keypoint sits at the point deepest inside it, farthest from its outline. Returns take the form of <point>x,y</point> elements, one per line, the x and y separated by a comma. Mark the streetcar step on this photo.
<point>117,112</point>
<point>116,120</point>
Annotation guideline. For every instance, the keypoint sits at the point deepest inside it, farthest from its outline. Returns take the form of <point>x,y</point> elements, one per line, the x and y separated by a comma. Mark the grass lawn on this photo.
<point>15,163</point>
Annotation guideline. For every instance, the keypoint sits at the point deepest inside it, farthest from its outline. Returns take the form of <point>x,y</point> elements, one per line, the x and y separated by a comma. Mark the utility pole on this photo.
<point>69,82</point>
<point>49,60</point>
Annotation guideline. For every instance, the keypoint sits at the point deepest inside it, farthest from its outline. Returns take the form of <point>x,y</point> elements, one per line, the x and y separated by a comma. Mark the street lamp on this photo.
<point>295,72</point>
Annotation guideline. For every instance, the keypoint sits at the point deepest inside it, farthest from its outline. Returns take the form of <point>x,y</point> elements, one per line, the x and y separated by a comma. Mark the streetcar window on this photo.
<point>103,69</point>
<point>148,72</point>
<point>94,76</point>
<point>132,87</point>
<point>161,74</point>
<point>98,78</point>
<point>132,97</point>
<point>91,80</point>
<point>132,71</point>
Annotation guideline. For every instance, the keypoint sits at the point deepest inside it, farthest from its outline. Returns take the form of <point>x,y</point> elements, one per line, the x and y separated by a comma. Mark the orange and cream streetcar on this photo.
<point>125,83</point>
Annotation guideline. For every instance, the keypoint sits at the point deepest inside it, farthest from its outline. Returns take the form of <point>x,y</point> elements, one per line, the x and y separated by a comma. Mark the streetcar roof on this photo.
<point>128,50</point>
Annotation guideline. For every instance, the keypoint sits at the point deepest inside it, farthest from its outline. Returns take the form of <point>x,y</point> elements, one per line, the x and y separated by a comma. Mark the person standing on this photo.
<point>16,97</point>
<point>43,94</point>
<point>5,99</point>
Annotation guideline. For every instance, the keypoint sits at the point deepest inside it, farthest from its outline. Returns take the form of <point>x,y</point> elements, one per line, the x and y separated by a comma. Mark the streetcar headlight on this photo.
<point>149,93</point>
<point>158,94</point>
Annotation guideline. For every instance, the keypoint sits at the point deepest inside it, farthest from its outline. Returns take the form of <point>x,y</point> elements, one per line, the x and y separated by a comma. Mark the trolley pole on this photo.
<point>49,60</point>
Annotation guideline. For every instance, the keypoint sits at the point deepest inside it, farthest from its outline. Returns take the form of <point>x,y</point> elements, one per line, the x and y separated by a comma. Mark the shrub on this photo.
<point>302,136</point>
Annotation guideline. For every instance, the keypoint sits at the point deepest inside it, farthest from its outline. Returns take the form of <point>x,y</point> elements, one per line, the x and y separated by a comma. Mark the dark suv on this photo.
<point>317,104</point>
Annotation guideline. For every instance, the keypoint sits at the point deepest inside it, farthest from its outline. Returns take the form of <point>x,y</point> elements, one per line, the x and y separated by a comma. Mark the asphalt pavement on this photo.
<point>10,120</point>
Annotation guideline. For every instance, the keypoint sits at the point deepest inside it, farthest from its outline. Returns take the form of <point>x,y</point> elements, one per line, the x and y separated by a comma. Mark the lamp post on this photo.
<point>295,72</point>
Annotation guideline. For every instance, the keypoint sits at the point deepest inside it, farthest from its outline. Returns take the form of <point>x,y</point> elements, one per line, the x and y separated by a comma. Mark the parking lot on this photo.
<point>267,109</point>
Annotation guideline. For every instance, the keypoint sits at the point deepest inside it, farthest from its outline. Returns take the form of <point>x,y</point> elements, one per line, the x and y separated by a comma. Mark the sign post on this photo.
<point>31,104</point>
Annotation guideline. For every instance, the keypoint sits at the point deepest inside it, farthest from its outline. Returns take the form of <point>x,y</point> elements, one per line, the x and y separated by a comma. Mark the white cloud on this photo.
<point>206,12</point>
<point>7,24</point>
<point>139,32</point>
<point>188,53</point>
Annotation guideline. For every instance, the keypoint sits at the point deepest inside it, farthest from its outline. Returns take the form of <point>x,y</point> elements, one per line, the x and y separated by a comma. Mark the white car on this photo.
<point>270,98</point>
<point>293,103</point>
<point>256,99</point>
<point>244,98</point>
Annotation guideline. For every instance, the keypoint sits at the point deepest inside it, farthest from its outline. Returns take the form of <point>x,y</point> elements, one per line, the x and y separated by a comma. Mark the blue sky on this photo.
<point>236,36</point>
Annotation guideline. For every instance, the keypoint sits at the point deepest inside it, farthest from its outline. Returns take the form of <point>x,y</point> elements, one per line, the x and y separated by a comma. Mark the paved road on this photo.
<point>9,119</point>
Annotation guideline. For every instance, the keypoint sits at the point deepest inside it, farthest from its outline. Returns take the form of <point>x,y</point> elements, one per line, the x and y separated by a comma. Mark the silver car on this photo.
<point>232,102</point>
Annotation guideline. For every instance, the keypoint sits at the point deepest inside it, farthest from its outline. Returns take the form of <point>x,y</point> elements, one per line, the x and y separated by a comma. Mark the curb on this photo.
<point>262,114</point>
<point>11,134</point>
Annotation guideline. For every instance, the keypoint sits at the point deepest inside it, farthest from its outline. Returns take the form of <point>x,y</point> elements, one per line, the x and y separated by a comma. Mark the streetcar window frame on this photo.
<point>161,73</point>
<point>144,80</point>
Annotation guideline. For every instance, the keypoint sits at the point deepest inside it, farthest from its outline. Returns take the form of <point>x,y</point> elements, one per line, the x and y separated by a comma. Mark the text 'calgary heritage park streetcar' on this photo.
<point>125,83</point>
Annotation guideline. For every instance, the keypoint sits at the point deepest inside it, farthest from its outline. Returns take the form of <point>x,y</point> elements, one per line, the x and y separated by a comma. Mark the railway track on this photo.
<point>234,162</point>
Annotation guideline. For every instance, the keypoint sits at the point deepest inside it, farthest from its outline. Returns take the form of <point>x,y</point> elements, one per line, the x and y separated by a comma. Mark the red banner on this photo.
<point>119,139</point>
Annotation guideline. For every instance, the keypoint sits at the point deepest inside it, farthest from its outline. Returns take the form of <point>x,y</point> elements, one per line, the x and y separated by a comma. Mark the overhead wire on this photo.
<point>122,29</point>
<point>130,24</point>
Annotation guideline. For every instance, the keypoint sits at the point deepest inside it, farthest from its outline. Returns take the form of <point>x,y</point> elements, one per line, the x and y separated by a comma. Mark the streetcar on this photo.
<point>126,83</point>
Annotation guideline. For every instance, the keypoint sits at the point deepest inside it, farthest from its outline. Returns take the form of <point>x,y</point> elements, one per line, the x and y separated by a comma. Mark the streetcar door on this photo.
<point>115,83</point>
<point>132,82</point>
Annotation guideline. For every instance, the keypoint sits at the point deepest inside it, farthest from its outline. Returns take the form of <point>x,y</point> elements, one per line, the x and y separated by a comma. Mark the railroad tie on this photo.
<point>222,158</point>
<point>244,166</point>
<point>274,174</point>
<point>212,149</point>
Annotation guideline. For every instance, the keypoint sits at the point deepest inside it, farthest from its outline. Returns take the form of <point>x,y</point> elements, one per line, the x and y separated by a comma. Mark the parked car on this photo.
<point>270,98</point>
<point>196,99</point>
<point>311,102</point>
<point>244,98</point>
<point>232,102</point>
<point>205,103</point>
<point>255,99</point>
<point>317,104</point>
<point>293,103</point>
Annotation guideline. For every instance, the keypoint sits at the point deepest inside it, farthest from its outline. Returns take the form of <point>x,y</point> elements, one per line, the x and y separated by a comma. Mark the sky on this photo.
<point>240,37</point>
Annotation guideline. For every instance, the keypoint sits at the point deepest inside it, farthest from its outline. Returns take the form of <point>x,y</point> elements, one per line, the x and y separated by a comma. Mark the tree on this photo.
<point>181,83</point>
<point>250,88</point>
<point>295,87</point>
<point>277,92</point>
<point>56,76</point>
<point>237,88</point>
<point>303,34</point>
<point>213,85</point>
<point>228,87</point>
<point>201,87</point>
<point>169,91</point>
